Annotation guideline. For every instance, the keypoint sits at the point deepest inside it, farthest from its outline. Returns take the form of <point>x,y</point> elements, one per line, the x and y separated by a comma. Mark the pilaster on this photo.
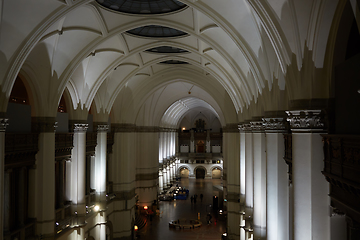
<point>259,155</point>
<point>231,151</point>
<point>278,222</point>
<point>311,201</point>
<point>45,176</point>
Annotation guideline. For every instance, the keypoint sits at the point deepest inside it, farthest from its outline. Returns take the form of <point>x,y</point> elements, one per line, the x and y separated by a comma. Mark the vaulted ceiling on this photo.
<point>152,62</point>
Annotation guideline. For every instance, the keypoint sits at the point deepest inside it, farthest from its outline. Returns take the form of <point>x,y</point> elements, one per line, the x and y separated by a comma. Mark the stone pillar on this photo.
<point>161,146</point>
<point>100,165</point>
<point>259,154</point>
<point>174,169</point>
<point>311,201</point>
<point>78,173</point>
<point>169,174</point>
<point>338,225</point>
<point>45,176</point>
<point>277,180</point>
<point>166,138</point>
<point>161,184</point>
<point>164,178</point>
<point>123,205</point>
<point>3,124</point>
<point>147,170</point>
<point>249,179</point>
<point>242,182</point>
<point>231,151</point>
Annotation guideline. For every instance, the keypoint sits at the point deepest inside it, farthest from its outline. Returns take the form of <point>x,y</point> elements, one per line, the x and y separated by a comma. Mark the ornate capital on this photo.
<point>245,127</point>
<point>257,126</point>
<point>3,124</point>
<point>307,120</point>
<point>275,124</point>
<point>43,124</point>
<point>102,127</point>
<point>80,127</point>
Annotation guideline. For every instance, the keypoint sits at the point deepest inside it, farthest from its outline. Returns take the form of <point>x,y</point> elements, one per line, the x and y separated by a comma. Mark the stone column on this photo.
<point>277,180</point>
<point>311,201</point>
<point>100,165</point>
<point>78,173</point>
<point>169,173</point>
<point>45,176</point>
<point>124,152</point>
<point>259,154</point>
<point>161,146</point>
<point>161,184</point>
<point>249,179</point>
<point>147,166</point>
<point>242,182</point>
<point>231,151</point>
<point>164,178</point>
<point>3,124</point>
<point>338,225</point>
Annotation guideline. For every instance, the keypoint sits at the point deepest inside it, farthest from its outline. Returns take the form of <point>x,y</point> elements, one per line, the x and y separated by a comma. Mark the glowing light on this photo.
<point>145,207</point>
<point>96,208</point>
<point>136,227</point>
<point>183,128</point>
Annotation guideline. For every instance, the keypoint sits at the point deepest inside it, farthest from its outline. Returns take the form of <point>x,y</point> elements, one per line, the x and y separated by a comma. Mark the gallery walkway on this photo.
<point>158,227</point>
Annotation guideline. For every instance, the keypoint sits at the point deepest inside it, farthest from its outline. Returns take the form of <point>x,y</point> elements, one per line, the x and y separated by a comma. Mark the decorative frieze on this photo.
<point>3,124</point>
<point>102,127</point>
<point>43,124</point>
<point>257,126</point>
<point>275,124</point>
<point>307,120</point>
<point>80,127</point>
<point>245,127</point>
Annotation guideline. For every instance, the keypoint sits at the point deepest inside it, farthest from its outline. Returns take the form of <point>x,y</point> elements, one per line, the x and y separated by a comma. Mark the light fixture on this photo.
<point>96,208</point>
<point>136,227</point>
<point>145,207</point>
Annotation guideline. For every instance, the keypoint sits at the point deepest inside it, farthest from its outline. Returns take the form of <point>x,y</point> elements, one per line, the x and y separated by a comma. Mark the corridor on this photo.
<point>158,228</point>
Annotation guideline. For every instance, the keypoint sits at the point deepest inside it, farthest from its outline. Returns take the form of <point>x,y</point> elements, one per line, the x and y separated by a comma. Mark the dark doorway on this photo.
<point>200,173</point>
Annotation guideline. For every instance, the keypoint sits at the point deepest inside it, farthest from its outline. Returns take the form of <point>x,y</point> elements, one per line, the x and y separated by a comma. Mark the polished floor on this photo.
<point>158,227</point>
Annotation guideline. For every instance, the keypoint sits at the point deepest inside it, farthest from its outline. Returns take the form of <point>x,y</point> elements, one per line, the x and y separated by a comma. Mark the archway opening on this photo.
<point>184,173</point>
<point>200,173</point>
<point>200,147</point>
<point>216,173</point>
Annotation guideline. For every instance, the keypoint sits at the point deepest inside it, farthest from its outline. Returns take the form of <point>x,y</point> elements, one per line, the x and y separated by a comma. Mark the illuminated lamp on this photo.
<point>136,227</point>
<point>96,208</point>
<point>145,207</point>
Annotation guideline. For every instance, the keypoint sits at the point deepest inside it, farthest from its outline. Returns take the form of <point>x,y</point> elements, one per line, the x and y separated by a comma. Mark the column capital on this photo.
<point>80,127</point>
<point>245,127</point>
<point>307,120</point>
<point>102,127</point>
<point>275,124</point>
<point>3,124</point>
<point>43,124</point>
<point>257,126</point>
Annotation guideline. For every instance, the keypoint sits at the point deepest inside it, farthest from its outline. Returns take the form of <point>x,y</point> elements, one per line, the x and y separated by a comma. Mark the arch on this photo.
<point>200,172</point>
<point>182,167</point>
<point>218,175</point>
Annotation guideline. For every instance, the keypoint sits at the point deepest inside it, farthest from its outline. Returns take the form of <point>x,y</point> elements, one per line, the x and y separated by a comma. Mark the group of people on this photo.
<point>194,197</point>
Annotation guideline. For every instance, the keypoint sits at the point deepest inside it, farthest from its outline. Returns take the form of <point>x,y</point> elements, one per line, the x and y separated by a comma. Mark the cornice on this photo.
<point>123,127</point>
<point>257,126</point>
<point>245,127</point>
